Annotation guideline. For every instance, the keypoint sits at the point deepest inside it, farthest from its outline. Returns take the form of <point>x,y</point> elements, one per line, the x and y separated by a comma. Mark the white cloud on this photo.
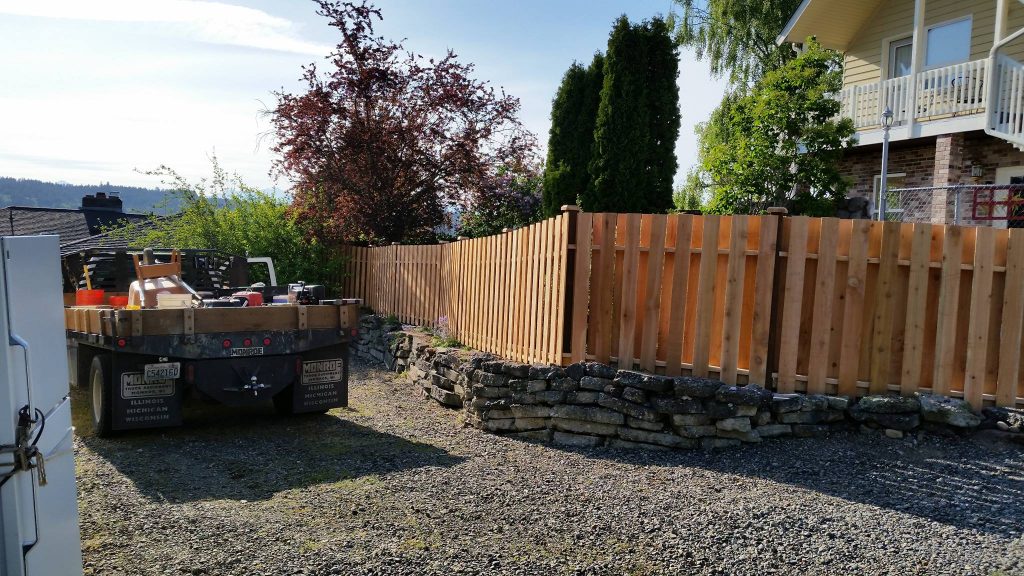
<point>213,22</point>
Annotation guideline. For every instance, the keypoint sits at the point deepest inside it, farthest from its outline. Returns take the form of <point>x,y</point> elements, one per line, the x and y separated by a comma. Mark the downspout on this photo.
<point>990,74</point>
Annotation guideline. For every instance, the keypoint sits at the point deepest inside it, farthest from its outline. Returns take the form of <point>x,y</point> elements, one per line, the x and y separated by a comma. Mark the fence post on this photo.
<point>772,362</point>
<point>571,212</point>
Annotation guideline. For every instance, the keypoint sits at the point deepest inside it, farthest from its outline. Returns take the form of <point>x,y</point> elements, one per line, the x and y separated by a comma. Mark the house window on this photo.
<point>900,57</point>
<point>894,195</point>
<point>948,43</point>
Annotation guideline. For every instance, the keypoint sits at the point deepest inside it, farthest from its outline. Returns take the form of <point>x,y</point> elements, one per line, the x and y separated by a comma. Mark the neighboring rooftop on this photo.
<point>98,213</point>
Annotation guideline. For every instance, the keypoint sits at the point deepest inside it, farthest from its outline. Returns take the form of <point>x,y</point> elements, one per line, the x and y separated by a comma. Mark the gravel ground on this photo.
<point>396,485</point>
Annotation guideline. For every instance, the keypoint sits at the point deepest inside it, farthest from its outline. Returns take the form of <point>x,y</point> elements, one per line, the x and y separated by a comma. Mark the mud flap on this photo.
<point>323,383</point>
<point>141,404</point>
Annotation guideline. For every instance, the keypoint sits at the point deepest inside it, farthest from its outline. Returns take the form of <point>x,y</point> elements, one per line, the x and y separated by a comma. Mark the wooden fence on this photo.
<point>820,304</point>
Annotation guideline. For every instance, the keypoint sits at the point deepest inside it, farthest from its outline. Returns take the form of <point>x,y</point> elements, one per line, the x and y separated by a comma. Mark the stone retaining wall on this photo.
<point>591,404</point>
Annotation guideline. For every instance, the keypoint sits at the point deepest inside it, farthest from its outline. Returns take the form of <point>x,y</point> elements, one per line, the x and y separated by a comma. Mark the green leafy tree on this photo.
<point>511,199</point>
<point>223,213</point>
<point>780,143</point>
<point>571,139</point>
<point>637,125</point>
<point>737,39</point>
<point>691,195</point>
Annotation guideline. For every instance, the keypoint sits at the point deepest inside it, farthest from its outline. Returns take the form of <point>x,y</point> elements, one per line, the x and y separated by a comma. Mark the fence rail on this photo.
<point>801,304</point>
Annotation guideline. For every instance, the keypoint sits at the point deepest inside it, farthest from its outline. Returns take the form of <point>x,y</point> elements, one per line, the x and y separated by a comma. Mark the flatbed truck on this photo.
<point>139,365</point>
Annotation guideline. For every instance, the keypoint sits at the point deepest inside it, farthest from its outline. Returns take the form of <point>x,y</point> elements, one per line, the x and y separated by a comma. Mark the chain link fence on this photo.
<point>996,205</point>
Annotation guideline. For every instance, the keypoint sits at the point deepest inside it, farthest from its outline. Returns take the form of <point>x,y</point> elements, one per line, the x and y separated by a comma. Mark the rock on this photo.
<point>774,430</point>
<point>718,443</point>
<point>524,398</point>
<point>838,402</point>
<point>694,387</point>
<point>550,397</point>
<point>545,372</point>
<point>592,383</point>
<point>634,395</point>
<point>642,381</point>
<point>582,397</point>
<point>810,430</point>
<point>520,411</point>
<point>564,384</point>
<point>1000,425</point>
<point>1009,416</point>
<point>746,410</point>
<point>496,380</point>
<point>499,413</point>
<point>696,431</point>
<point>734,424</point>
<point>750,436</point>
<point>576,371</point>
<point>588,413</point>
<point>751,395</point>
<point>814,403</point>
<point>446,397</point>
<point>661,439</point>
<point>627,445</point>
<point>905,422</point>
<point>577,440</point>
<point>517,370</point>
<point>514,424</point>
<point>529,386</point>
<point>948,411</point>
<point>690,419</point>
<point>893,433</point>
<point>785,403</point>
<point>491,391</point>
<point>762,418</point>
<point>628,408</point>
<point>888,404</point>
<point>531,436</point>
<point>644,424</point>
<point>493,366</point>
<point>598,370</point>
<point>582,427</point>
<point>719,410</point>
<point>677,405</point>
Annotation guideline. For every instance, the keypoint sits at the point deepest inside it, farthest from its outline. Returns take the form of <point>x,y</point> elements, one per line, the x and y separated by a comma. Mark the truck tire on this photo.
<point>99,395</point>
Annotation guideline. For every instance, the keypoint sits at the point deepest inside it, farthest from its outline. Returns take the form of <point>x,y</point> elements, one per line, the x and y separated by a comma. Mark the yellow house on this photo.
<point>951,71</point>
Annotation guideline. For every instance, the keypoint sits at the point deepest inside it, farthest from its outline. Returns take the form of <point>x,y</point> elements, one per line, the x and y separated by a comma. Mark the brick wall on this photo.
<point>938,161</point>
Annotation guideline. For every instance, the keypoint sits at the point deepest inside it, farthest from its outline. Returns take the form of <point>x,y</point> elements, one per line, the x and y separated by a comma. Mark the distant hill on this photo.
<point>36,193</point>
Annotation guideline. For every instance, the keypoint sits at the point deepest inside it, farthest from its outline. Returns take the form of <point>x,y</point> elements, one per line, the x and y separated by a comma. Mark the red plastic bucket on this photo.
<point>89,297</point>
<point>118,301</point>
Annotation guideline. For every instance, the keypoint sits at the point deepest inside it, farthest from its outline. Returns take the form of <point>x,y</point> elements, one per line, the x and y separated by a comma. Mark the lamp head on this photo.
<point>887,117</point>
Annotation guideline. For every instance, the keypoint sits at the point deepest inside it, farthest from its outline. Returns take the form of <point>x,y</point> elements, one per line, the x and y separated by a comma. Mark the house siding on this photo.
<point>863,60</point>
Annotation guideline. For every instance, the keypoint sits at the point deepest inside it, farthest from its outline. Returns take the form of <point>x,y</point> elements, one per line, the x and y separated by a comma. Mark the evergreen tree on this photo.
<point>571,139</point>
<point>634,161</point>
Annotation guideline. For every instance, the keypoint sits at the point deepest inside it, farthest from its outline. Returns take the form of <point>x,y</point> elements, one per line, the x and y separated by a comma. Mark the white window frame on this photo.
<point>887,51</point>
<point>893,44</point>
<point>924,57</point>
<point>875,185</point>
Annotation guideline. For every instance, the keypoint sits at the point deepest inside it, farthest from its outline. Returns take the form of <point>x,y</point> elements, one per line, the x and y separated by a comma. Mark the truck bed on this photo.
<point>111,323</point>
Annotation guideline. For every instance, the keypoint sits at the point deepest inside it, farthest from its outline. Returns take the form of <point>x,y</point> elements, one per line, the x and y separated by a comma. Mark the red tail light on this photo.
<point>121,342</point>
<point>190,373</point>
<point>247,342</point>
<point>266,341</point>
<point>226,343</point>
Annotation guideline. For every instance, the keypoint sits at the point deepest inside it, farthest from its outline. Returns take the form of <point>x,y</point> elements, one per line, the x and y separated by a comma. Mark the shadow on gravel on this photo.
<point>969,484</point>
<point>252,454</point>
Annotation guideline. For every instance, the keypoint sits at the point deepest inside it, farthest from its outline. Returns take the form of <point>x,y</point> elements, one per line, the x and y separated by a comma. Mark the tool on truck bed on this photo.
<point>221,343</point>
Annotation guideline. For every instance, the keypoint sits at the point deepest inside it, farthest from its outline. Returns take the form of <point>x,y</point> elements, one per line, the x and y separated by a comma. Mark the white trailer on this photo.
<point>39,533</point>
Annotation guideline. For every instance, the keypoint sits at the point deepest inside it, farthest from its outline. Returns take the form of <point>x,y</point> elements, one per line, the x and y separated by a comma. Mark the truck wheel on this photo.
<point>99,394</point>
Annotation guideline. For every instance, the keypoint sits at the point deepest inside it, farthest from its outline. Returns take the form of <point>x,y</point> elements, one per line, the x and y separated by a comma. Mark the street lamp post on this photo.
<point>883,186</point>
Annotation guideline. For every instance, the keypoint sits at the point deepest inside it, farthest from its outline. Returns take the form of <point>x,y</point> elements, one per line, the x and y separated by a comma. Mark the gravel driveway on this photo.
<point>396,485</point>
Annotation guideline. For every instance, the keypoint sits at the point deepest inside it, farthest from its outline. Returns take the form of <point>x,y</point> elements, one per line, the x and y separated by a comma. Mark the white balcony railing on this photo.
<point>1006,114</point>
<point>956,90</point>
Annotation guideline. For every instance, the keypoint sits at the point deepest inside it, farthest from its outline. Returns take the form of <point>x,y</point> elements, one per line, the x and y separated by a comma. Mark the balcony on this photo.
<point>942,93</point>
<point>943,100</point>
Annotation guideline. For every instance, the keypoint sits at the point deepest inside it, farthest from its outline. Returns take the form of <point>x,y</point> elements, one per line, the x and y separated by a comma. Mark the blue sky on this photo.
<point>94,91</point>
